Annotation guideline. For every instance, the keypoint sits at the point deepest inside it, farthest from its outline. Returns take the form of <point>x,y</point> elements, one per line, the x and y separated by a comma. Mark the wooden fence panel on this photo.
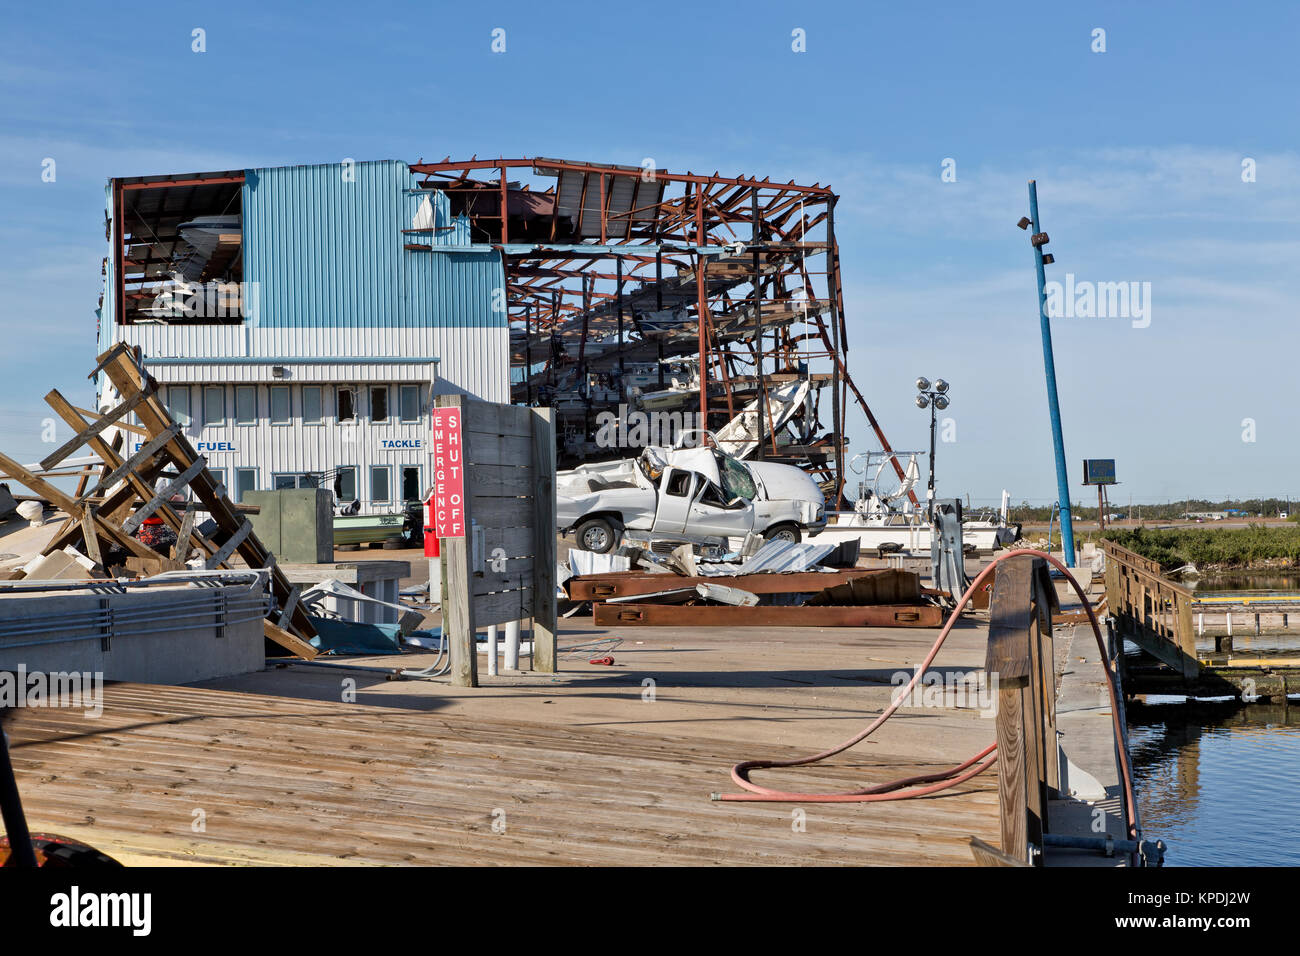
<point>503,569</point>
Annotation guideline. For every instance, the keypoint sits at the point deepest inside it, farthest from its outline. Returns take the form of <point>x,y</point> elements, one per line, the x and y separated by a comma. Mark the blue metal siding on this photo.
<point>328,253</point>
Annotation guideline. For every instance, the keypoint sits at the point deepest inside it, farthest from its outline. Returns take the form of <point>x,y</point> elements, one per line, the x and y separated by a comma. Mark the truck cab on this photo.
<point>689,495</point>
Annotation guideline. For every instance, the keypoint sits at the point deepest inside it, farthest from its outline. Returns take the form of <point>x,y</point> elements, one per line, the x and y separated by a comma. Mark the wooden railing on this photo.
<point>1150,610</point>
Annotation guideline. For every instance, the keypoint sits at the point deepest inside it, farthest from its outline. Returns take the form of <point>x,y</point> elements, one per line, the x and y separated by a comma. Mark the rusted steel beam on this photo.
<point>580,167</point>
<point>600,587</point>
<point>670,615</point>
<point>163,183</point>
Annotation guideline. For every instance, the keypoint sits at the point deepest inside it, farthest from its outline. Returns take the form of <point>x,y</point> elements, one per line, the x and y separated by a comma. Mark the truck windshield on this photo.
<point>737,482</point>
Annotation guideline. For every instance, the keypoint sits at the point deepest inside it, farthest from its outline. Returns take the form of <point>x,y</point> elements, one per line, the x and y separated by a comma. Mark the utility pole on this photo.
<point>1037,240</point>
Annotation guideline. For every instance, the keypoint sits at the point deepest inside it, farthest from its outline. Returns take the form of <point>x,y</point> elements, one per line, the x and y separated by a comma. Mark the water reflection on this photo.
<point>1286,581</point>
<point>1218,783</point>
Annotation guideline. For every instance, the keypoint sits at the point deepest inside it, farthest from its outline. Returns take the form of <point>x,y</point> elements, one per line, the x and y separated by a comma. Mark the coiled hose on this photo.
<point>922,785</point>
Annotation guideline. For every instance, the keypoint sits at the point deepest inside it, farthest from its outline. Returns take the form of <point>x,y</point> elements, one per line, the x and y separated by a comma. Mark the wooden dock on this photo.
<point>574,768</point>
<point>595,765</point>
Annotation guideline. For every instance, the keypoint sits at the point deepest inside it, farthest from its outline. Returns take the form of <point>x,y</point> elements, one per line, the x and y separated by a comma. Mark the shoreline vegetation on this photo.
<point>1255,547</point>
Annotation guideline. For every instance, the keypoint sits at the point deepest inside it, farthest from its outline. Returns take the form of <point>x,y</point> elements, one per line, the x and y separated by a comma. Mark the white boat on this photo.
<point>739,437</point>
<point>879,519</point>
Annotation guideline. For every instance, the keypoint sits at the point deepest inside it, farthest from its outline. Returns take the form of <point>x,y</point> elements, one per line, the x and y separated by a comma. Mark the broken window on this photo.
<point>737,482</point>
<point>678,484</point>
<point>345,484</point>
<point>347,410</point>
<point>176,247</point>
<point>379,404</point>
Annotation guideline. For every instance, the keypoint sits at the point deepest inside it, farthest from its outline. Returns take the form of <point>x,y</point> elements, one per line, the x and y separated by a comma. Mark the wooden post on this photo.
<point>458,625</point>
<point>1010,659</point>
<point>1186,635</point>
<point>544,607</point>
<point>1044,662</point>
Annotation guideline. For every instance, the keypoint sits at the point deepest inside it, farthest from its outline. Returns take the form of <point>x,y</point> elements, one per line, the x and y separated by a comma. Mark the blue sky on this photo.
<point>1137,151</point>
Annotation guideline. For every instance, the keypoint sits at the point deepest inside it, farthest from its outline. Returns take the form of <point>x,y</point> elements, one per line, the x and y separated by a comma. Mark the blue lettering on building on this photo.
<point>396,443</point>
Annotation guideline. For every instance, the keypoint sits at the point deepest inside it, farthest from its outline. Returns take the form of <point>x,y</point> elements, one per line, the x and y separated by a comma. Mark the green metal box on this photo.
<point>296,525</point>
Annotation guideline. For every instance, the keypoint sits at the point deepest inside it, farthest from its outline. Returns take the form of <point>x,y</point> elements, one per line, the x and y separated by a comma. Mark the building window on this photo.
<point>409,399</point>
<point>311,405</point>
<point>220,475</point>
<point>214,405</point>
<point>410,482</point>
<point>245,480</point>
<point>290,482</point>
<point>379,404</point>
<point>345,484</point>
<point>347,405</point>
<point>279,404</point>
<point>245,405</point>
<point>379,490</point>
<point>178,403</point>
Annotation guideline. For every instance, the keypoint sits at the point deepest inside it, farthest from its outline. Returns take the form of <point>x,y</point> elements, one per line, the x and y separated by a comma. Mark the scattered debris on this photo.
<point>99,530</point>
<point>726,595</point>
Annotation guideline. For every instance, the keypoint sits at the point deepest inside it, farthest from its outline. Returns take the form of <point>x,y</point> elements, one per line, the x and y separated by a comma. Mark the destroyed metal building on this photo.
<point>299,319</point>
<point>629,286</point>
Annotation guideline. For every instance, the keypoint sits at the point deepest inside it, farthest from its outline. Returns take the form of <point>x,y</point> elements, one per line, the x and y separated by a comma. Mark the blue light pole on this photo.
<point>1038,240</point>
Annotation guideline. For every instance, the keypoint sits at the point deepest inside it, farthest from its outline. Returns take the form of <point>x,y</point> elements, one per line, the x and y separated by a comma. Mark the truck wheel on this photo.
<point>598,535</point>
<point>783,532</point>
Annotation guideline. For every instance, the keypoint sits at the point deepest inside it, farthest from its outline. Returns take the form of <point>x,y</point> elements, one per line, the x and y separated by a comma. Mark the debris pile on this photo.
<point>796,584</point>
<point>135,520</point>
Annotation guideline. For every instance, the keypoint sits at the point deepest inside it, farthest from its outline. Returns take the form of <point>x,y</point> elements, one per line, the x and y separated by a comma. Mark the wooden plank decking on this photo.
<point>578,768</point>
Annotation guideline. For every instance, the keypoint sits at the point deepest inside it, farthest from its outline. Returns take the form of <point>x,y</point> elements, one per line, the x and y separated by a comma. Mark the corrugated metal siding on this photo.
<point>326,252</point>
<point>473,360</point>
<point>298,447</point>
<point>472,357</point>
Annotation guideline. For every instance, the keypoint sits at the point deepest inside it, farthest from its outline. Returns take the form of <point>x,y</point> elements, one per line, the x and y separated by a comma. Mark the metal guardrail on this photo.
<point>207,602</point>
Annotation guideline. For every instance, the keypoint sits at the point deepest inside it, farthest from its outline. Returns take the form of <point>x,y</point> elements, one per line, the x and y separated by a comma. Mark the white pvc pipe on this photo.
<point>512,646</point>
<point>492,649</point>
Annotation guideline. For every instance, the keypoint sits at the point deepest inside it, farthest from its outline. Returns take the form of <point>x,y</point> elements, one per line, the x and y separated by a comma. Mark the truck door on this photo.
<point>676,490</point>
<point>711,515</point>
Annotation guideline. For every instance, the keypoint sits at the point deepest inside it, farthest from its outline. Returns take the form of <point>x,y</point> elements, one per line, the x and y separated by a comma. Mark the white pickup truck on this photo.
<point>686,494</point>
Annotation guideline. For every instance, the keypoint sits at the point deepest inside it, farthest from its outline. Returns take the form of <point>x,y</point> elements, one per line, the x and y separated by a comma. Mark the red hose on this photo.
<point>942,780</point>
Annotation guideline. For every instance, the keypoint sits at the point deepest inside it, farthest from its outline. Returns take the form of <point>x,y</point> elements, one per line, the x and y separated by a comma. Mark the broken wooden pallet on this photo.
<point>104,519</point>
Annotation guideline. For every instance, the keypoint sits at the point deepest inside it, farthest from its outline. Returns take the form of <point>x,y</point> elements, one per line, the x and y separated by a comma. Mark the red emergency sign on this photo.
<point>447,500</point>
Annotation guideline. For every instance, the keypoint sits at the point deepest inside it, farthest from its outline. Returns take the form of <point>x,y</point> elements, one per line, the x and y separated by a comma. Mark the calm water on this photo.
<point>1219,783</point>
<point>1247,581</point>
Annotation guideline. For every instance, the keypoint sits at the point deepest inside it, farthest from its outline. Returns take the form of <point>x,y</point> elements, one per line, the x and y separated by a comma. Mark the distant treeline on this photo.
<point>1227,547</point>
<point>1249,508</point>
